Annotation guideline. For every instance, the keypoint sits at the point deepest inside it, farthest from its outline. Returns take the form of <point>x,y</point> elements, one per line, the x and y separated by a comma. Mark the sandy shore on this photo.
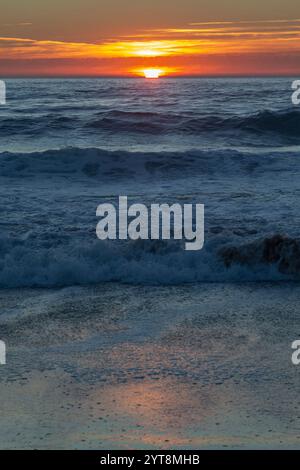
<point>120,367</point>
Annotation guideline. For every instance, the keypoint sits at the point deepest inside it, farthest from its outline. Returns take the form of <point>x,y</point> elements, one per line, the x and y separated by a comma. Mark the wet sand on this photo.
<point>119,367</point>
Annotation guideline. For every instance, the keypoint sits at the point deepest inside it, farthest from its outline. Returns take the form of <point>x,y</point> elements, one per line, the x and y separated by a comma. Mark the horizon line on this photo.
<point>163,77</point>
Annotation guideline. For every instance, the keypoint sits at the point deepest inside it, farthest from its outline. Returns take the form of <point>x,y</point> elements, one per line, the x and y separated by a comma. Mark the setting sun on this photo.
<point>152,73</point>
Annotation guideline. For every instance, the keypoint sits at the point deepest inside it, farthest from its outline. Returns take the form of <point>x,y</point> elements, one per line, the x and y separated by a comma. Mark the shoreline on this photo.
<point>181,367</point>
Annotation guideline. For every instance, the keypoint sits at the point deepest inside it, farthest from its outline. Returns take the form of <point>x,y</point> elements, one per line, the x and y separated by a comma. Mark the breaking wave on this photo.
<point>28,262</point>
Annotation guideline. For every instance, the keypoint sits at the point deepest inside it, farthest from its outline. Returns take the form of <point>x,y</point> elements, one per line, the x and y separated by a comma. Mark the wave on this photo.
<point>102,164</point>
<point>278,250</point>
<point>145,122</point>
<point>39,125</point>
<point>26,262</point>
<point>282,123</point>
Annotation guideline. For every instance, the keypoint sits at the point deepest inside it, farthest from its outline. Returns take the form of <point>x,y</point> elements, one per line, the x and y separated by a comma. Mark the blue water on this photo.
<point>68,145</point>
<point>146,115</point>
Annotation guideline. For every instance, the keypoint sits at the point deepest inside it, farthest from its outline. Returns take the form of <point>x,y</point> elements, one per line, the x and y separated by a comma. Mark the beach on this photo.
<point>122,367</point>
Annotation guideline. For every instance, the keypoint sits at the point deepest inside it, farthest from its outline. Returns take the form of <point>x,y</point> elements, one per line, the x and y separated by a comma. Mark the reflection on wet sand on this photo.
<point>160,411</point>
<point>144,371</point>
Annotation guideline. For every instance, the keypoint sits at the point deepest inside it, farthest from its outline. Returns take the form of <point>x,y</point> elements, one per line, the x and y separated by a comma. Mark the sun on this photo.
<point>152,73</point>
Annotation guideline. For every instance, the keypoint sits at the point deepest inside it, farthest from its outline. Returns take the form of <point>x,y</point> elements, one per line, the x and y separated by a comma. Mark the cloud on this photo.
<point>209,39</point>
<point>8,25</point>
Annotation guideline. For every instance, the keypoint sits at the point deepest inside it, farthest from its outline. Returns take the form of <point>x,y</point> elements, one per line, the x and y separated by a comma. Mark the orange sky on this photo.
<point>193,45</point>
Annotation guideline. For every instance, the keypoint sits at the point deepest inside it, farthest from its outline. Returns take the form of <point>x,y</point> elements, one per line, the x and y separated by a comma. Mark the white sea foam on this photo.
<point>59,263</point>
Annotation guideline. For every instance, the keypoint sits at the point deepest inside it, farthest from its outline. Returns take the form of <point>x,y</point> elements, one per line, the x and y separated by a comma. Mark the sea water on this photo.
<point>68,145</point>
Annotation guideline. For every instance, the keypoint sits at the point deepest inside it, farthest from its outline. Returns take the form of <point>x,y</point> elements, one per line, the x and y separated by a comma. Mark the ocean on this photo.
<point>123,344</point>
<point>69,145</point>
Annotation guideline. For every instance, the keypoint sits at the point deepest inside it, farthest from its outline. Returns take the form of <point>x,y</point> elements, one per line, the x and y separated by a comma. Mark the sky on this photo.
<point>125,37</point>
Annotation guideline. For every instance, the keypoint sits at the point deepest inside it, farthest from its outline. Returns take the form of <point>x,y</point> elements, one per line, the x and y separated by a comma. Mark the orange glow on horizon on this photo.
<point>234,47</point>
